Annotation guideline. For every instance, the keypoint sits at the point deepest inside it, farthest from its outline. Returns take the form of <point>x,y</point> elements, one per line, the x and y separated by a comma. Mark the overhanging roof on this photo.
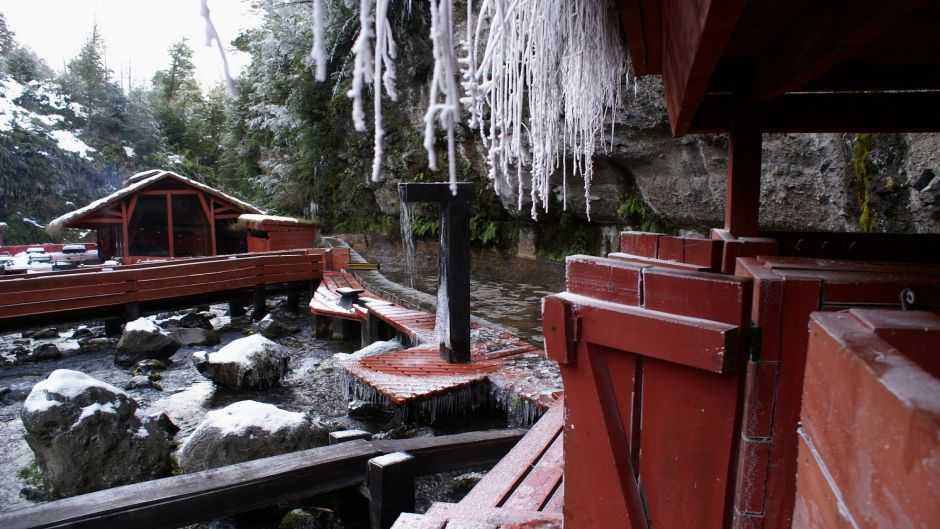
<point>136,183</point>
<point>813,65</point>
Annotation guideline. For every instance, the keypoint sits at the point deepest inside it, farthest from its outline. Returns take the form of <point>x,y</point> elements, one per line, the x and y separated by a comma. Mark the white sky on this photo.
<point>137,33</point>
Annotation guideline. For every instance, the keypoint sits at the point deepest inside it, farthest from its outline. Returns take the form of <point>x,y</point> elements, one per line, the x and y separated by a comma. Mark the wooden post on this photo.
<point>391,485</point>
<point>169,224</point>
<point>260,308</point>
<point>344,436</point>
<point>125,220</point>
<point>236,309</point>
<point>131,311</point>
<point>742,195</point>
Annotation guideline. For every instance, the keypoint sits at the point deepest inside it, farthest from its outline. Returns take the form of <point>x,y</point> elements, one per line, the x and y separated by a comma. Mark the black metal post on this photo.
<point>454,259</point>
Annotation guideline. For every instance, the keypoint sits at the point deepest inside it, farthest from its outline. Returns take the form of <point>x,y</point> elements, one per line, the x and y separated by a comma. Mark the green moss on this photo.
<point>864,180</point>
<point>634,211</point>
<point>31,475</point>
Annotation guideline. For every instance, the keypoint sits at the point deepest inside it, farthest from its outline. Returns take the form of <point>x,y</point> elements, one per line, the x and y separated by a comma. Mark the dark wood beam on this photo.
<point>829,112</point>
<point>742,187</point>
<point>827,33</point>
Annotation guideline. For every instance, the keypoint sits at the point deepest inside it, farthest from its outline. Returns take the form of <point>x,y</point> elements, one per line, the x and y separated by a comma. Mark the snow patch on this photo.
<point>129,151</point>
<point>375,348</point>
<point>142,324</point>
<point>65,383</point>
<point>241,350</point>
<point>238,417</point>
<point>68,141</point>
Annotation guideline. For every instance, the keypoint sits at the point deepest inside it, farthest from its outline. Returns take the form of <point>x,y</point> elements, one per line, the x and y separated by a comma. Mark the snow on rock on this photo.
<point>253,362</point>
<point>68,141</point>
<point>88,435</point>
<point>142,339</point>
<point>129,151</point>
<point>373,349</point>
<point>248,430</point>
<point>12,114</point>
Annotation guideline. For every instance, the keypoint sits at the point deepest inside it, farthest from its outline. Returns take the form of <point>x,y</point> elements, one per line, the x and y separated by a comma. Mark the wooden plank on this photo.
<point>693,342</point>
<point>31,296</point>
<point>715,297</point>
<point>495,488</point>
<point>45,307</point>
<point>454,452</point>
<point>688,440</point>
<point>640,243</point>
<point>644,261</point>
<point>607,279</point>
<point>540,483</point>
<point>204,495</point>
<point>391,484</point>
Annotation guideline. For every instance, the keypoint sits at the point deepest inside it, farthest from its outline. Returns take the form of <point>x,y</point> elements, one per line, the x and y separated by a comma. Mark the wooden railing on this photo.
<point>114,288</point>
<point>190,498</point>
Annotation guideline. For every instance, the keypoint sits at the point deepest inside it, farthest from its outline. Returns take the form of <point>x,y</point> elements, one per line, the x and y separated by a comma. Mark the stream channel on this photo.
<point>506,290</point>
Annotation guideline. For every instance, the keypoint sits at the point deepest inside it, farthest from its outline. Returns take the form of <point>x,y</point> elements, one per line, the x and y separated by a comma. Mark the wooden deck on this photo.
<point>525,489</point>
<point>326,299</point>
<point>110,291</point>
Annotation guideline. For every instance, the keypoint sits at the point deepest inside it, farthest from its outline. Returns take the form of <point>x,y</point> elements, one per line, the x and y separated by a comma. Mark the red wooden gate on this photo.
<point>652,365</point>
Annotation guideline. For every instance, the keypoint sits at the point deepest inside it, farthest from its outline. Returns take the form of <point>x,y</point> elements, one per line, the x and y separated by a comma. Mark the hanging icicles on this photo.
<point>544,62</point>
<point>443,83</point>
<point>526,67</point>
<point>213,35</point>
<point>318,51</point>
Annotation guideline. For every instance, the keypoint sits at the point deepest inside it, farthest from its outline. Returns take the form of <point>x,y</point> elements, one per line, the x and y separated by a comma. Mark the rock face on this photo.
<point>253,362</point>
<point>88,435</point>
<point>142,339</point>
<point>247,430</point>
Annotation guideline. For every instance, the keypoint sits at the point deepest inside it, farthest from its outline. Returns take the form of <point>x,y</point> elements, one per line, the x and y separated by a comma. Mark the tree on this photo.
<point>7,37</point>
<point>177,98</point>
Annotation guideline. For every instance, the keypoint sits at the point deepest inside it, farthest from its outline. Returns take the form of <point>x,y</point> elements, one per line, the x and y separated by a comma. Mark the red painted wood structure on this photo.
<point>684,361</point>
<point>871,408</point>
<point>124,291</point>
<point>271,233</point>
<point>159,215</point>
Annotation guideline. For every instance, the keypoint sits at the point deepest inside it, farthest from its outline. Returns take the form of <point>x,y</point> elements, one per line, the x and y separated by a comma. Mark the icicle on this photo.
<point>212,34</point>
<point>362,64</point>
<point>443,83</point>
<point>318,52</point>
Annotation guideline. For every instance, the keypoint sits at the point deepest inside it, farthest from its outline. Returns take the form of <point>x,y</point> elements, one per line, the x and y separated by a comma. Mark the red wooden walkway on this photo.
<point>524,490</point>
<point>500,362</point>
<point>108,291</point>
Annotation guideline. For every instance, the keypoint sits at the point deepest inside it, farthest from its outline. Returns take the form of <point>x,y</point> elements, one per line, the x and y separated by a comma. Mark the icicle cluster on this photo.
<point>213,35</point>
<point>543,62</point>
<point>527,66</point>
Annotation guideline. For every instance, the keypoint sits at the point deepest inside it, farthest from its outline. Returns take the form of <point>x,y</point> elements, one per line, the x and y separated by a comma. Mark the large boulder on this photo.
<point>273,329</point>
<point>253,362</point>
<point>88,435</point>
<point>248,430</point>
<point>142,339</point>
<point>196,336</point>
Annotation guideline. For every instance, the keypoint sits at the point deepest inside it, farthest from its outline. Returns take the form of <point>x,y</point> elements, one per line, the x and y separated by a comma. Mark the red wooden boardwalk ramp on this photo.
<point>524,490</point>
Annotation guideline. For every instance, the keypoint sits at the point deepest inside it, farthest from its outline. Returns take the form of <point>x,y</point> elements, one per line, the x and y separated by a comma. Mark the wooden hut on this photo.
<point>161,214</point>
<point>267,233</point>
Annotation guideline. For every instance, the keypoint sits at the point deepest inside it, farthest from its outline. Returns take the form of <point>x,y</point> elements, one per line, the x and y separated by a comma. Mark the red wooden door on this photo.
<point>651,360</point>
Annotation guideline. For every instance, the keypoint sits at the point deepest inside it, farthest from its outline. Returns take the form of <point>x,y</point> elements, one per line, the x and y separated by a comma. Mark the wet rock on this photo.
<point>148,367</point>
<point>247,430</point>
<point>51,332</point>
<point>143,382</point>
<point>237,323</point>
<point>88,435</point>
<point>15,393</point>
<point>142,339</point>
<point>196,320</point>
<point>365,410</point>
<point>93,344</point>
<point>46,351</point>
<point>82,332</point>
<point>311,519</point>
<point>253,362</point>
<point>167,424</point>
<point>197,336</point>
<point>33,494</point>
<point>22,341</point>
<point>273,329</point>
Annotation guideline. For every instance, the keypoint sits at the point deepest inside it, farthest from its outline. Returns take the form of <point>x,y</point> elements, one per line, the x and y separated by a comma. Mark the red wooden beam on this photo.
<point>695,35</point>
<point>642,23</point>
<point>826,34</point>
<point>742,187</point>
<point>683,340</point>
<point>169,224</point>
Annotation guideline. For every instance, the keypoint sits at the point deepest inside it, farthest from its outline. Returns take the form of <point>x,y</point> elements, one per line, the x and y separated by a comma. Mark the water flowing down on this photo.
<point>442,321</point>
<point>408,243</point>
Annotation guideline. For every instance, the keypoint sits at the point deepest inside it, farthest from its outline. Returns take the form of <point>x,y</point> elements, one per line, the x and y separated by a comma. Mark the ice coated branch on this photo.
<point>212,34</point>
